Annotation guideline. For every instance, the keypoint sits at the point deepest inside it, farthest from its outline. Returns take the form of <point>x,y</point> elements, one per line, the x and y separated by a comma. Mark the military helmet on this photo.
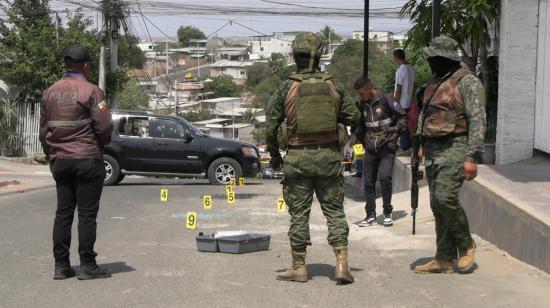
<point>308,43</point>
<point>443,46</point>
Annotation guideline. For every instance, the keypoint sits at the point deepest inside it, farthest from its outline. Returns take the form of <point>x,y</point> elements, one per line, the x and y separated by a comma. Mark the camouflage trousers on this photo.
<point>319,171</point>
<point>444,161</point>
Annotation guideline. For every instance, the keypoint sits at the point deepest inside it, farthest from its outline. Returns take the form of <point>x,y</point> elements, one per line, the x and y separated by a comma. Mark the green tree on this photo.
<point>277,62</point>
<point>259,135</point>
<point>223,86</point>
<point>196,116</point>
<point>249,116</point>
<point>469,23</point>
<point>256,73</point>
<point>132,96</point>
<point>130,55</point>
<point>25,35</point>
<point>264,90</point>
<point>328,36</point>
<point>187,33</point>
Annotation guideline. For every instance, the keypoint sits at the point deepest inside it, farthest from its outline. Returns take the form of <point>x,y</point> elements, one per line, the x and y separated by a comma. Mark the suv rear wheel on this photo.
<point>222,170</point>
<point>112,170</point>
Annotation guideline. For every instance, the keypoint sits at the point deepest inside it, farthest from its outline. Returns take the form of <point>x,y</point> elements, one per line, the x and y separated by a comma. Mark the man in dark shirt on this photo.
<point>75,124</point>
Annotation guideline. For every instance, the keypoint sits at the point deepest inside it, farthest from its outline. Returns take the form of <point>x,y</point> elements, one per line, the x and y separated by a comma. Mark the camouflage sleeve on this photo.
<point>473,93</point>
<point>274,117</point>
<point>349,113</point>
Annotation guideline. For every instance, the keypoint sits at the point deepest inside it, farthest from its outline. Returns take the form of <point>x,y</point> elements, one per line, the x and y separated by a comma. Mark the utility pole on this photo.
<point>103,50</point>
<point>114,55</point>
<point>436,19</point>
<point>176,95</point>
<point>366,41</point>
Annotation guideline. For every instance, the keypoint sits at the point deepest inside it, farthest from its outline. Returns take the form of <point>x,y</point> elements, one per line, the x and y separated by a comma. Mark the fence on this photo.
<point>20,134</point>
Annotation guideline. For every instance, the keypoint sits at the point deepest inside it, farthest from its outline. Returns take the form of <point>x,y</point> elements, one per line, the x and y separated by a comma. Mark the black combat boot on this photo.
<point>63,271</point>
<point>88,272</point>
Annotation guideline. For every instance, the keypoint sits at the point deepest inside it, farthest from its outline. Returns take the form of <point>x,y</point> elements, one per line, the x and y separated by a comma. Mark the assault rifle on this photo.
<point>416,176</point>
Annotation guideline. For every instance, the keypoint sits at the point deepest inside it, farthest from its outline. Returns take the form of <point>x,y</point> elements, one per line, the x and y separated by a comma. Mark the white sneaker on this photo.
<point>369,221</point>
<point>388,220</point>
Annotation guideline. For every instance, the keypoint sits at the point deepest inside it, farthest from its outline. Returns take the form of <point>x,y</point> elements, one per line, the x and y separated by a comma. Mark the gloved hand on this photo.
<point>275,162</point>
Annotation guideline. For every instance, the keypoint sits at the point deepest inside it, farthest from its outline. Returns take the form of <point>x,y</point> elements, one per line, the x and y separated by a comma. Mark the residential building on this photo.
<point>280,42</point>
<point>383,39</point>
<point>235,69</point>
<point>221,104</point>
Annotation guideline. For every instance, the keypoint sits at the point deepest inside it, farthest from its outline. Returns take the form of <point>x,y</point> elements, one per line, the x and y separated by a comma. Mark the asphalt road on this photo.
<point>154,260</point>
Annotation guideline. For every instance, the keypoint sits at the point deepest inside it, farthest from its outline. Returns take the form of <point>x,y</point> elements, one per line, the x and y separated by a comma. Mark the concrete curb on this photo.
<point>25,190</point>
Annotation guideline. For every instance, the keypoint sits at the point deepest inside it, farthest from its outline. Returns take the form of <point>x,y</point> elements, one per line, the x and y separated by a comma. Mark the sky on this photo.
<point>163,23</point>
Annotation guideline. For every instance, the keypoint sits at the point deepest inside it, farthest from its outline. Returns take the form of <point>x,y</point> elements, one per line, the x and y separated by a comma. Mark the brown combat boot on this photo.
<point>298,271</point>
<point>466,258</point>
<point>342,273</point>
<point>435,266</point>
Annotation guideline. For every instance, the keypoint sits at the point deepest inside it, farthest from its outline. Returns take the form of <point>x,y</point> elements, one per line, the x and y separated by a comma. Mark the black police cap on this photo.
<point>75,54</point>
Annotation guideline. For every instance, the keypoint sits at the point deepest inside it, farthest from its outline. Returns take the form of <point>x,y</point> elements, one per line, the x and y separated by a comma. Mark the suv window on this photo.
<point>168,129</point>
<point>134,126</point>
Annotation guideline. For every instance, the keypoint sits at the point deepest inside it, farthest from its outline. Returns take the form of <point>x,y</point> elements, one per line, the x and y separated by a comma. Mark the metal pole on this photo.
<point>103,51</point>
<point>436,19</point>
<point>114,56</point>
<point>366,41</point>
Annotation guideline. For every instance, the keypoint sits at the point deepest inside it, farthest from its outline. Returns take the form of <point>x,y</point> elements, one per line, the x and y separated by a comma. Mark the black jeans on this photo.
<point>79,183</point>
<point>378,165</point>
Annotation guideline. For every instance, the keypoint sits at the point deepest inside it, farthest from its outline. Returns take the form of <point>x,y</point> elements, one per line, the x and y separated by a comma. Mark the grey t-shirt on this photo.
<point>405,77</point>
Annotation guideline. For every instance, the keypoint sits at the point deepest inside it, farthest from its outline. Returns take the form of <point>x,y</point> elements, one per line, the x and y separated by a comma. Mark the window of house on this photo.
<point>261,49</point>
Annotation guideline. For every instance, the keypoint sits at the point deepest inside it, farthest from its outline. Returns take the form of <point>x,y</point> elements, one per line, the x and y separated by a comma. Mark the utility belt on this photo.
<point>443,138</point>
<point>332,145</point>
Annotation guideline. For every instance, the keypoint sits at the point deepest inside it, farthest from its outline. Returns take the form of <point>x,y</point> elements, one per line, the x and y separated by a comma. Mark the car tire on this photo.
<point>112,170</point>
<point>223,169</point>
<point>120,178</point>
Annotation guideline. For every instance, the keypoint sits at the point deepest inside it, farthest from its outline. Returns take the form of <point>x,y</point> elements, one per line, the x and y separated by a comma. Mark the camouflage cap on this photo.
<point>443,46</point>
<point>307,42</point>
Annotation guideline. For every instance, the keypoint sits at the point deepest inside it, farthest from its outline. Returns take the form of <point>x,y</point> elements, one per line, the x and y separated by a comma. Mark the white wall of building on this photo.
<point>517,80</point>
<point>542,110</point>
<point>278,43</point>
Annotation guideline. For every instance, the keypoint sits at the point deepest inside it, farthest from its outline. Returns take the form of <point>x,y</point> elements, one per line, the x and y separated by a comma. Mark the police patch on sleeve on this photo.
<point>102,106</point>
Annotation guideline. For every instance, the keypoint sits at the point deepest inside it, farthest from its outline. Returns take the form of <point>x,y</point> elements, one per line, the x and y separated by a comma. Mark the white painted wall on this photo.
<point>517,80</point>
<point>542,111</point>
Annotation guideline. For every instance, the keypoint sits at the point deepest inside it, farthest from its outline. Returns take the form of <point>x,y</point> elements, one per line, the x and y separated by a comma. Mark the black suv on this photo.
<point>155,145</point>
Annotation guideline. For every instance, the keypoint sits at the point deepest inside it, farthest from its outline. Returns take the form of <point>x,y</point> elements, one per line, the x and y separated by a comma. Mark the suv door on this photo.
<point>136,143</point>
<point>173,153</point>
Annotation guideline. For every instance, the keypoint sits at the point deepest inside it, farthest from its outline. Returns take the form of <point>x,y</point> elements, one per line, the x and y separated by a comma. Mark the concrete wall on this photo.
<point>517,80</point>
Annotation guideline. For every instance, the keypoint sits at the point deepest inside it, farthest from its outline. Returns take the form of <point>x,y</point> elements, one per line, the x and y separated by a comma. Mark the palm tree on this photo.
<point>249,116</point>
<point>328,35</point>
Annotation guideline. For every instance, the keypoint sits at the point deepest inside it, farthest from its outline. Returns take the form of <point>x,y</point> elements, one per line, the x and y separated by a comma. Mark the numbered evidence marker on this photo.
<point>358,151</point>
<point>164,195</point>
<point>241,182</point>
<point>228,189</point>
<point>231,197</point>
<point>207,202</point>
<point>191,220</point>
<point>281,205</point>
<point>232,182</point>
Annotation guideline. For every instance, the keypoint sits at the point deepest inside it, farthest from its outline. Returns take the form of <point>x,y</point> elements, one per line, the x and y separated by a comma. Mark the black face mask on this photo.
<point>441,66</point>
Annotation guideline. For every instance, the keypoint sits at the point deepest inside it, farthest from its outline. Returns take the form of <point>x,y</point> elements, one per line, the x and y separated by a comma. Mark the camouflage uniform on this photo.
<point>446,154</point>
<point>312,167</point>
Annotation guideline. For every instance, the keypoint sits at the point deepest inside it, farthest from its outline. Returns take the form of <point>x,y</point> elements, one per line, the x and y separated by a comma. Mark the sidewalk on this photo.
<point>18,177</point>
<point>508,206</point>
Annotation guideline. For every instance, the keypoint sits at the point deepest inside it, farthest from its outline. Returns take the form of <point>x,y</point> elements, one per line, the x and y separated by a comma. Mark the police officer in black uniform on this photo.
<point>75,124</point>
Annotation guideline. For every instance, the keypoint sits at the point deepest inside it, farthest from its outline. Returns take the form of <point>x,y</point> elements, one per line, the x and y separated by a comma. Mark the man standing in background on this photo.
<point>404,89</point>
<point>75,124</point>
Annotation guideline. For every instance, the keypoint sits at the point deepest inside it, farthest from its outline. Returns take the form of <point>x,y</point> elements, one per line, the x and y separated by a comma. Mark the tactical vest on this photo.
<point>311,108</point>
<point>445,114</point>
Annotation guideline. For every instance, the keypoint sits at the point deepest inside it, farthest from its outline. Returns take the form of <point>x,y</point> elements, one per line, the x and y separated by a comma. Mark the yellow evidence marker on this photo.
<point>207,202</point>
<point>358,151</point>
<point>164,195</point>
<point>232,182</point>
<point>241,182</point>
<point>281,205</point>
<point>228,189</point>
<point>191,220</point>
<point>231,197</point>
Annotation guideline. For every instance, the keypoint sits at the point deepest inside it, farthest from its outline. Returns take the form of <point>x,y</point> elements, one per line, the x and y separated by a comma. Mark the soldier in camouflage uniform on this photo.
<point>452,126</point>
<point>306,117</point>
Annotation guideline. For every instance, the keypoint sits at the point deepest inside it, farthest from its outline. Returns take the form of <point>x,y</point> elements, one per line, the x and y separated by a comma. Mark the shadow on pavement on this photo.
<point>115,267</point>
<point>325,270</point>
